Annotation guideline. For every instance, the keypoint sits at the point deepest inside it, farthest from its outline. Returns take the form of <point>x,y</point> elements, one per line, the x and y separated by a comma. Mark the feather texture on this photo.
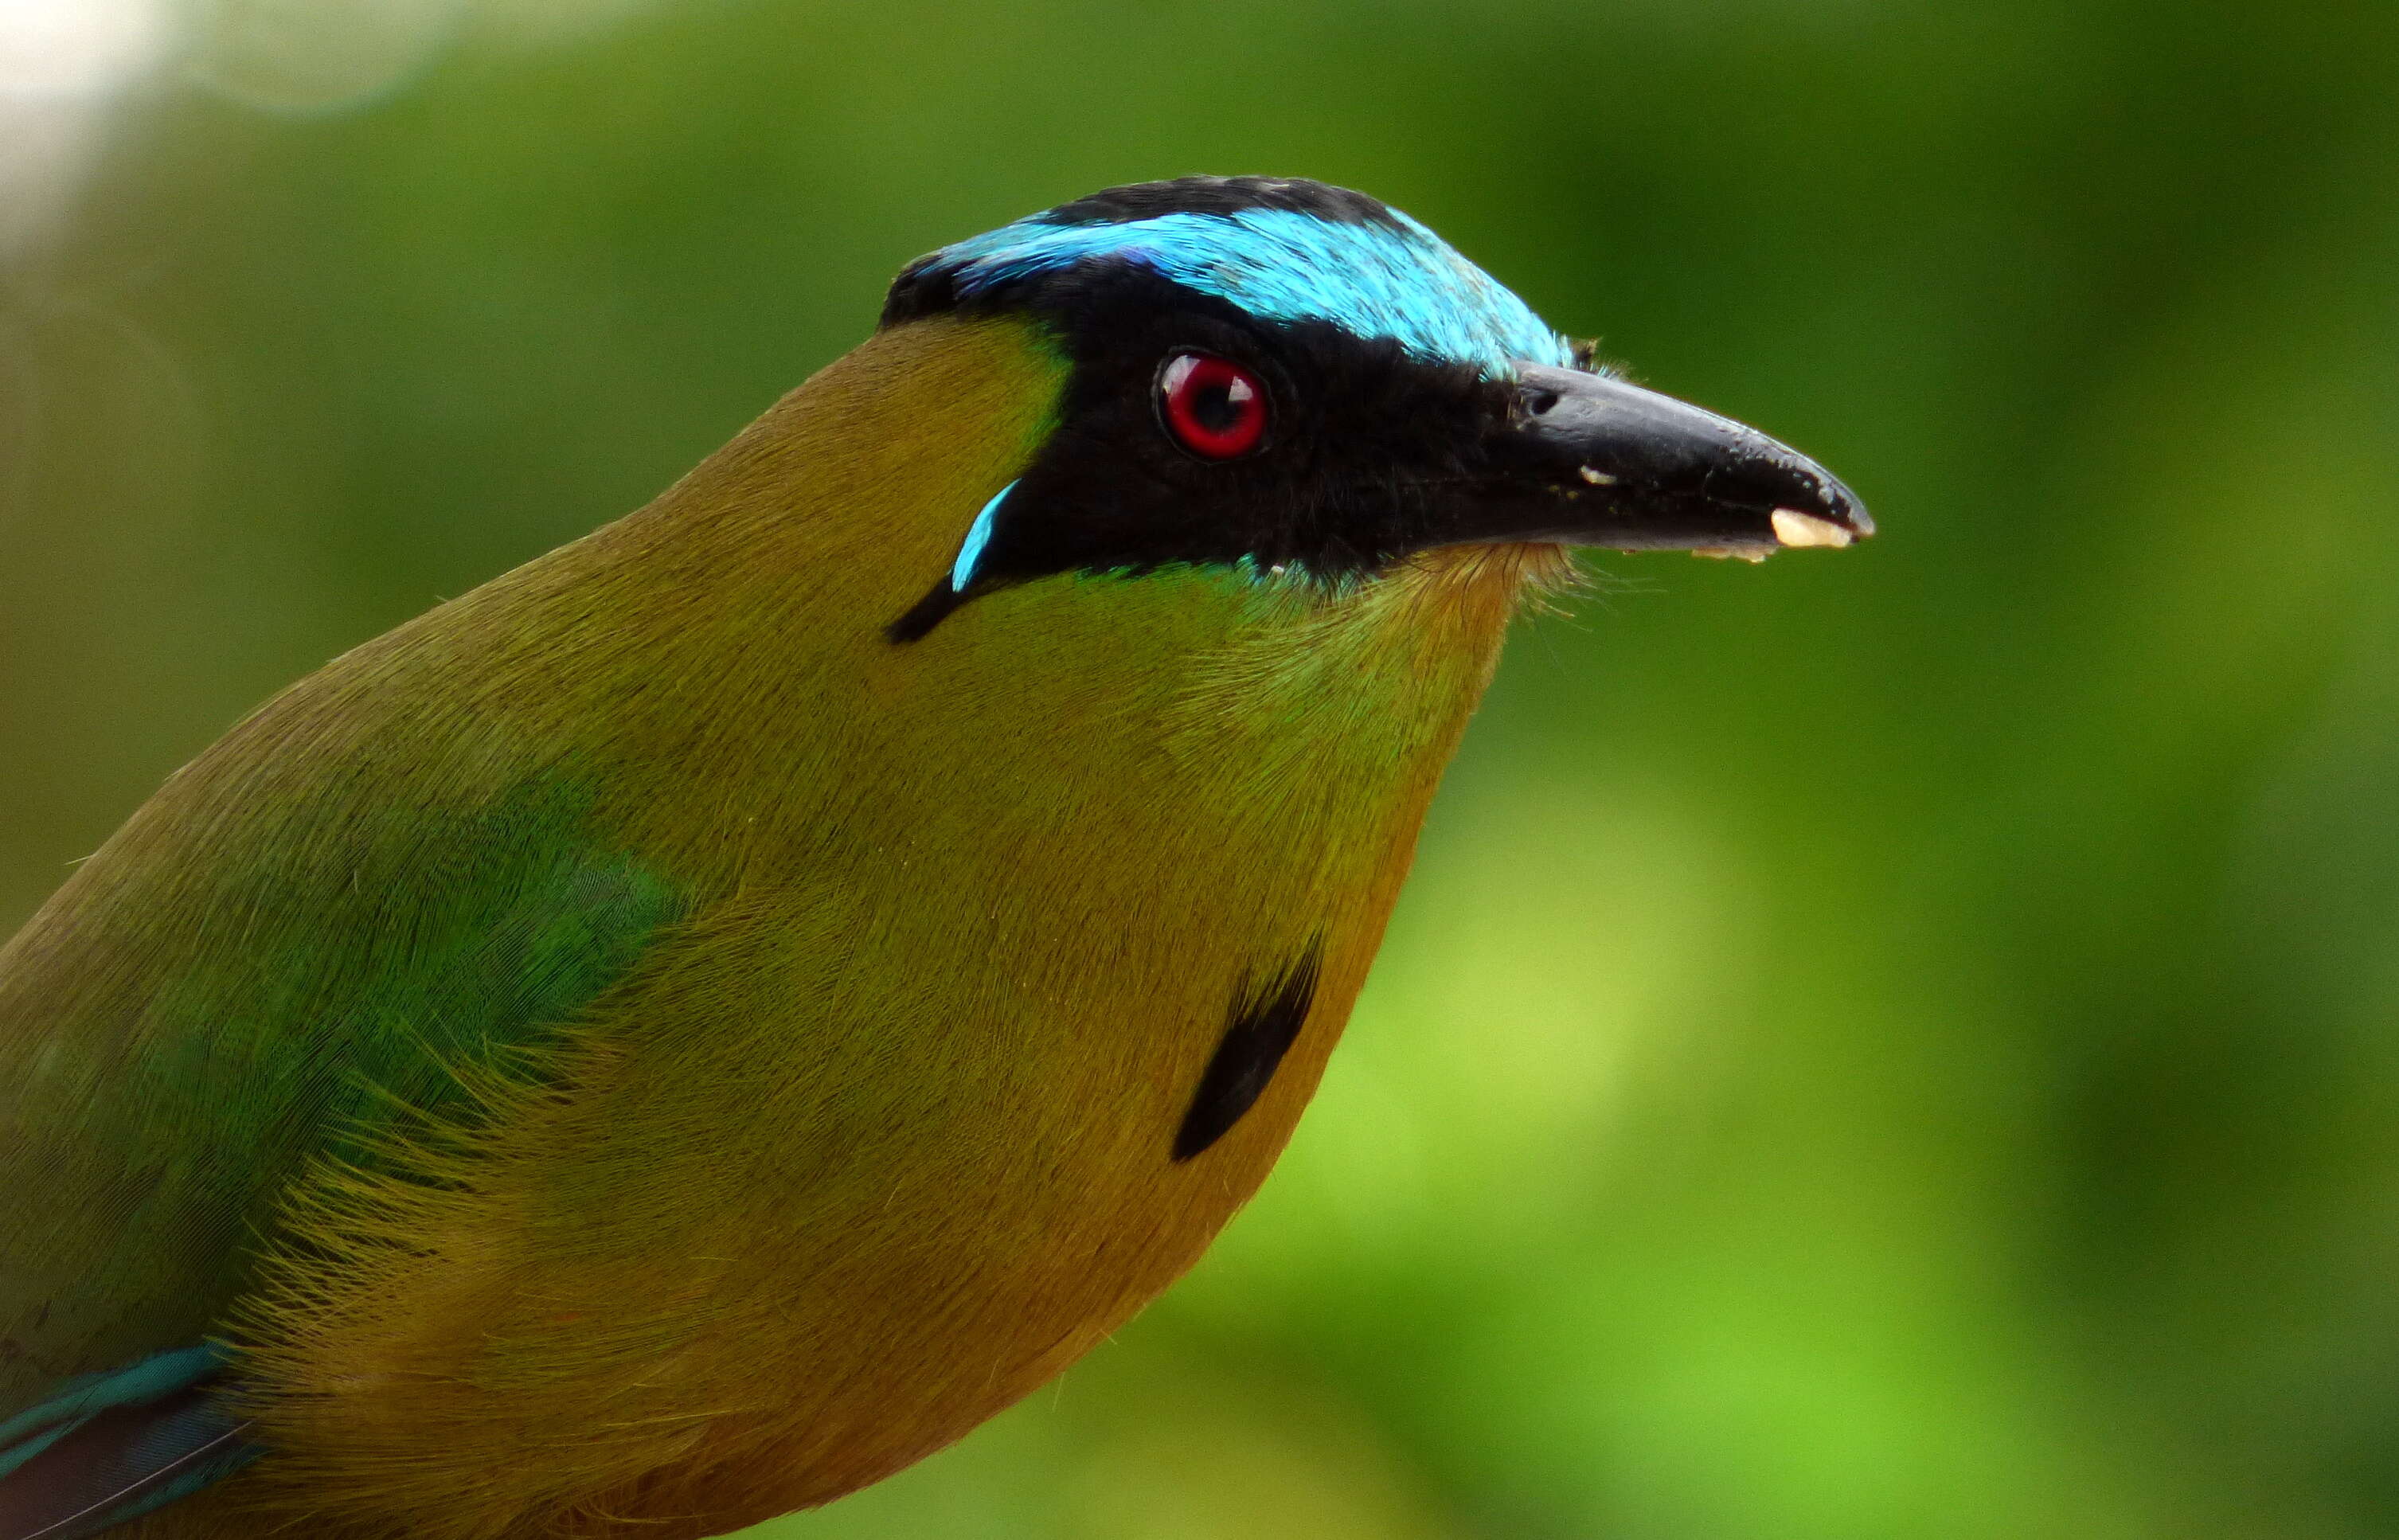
<point>635,1047</point>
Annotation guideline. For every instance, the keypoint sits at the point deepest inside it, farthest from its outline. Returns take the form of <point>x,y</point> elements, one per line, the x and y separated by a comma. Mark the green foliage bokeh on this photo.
<point>1888,1046</point>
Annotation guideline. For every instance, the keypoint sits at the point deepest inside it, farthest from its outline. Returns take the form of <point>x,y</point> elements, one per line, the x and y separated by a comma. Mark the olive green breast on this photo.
<point>877,1129</point>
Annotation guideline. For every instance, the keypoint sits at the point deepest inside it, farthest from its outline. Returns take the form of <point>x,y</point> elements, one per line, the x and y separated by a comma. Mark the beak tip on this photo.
<point>1794,529</point>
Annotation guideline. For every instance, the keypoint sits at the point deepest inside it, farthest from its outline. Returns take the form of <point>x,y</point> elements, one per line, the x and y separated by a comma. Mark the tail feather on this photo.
<point>117,1447</point>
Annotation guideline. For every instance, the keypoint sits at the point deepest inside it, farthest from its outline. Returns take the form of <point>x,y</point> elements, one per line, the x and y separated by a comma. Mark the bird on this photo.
<point>697,1024</point>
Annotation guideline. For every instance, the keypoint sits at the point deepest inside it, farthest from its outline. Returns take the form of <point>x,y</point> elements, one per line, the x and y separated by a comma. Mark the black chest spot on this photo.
<point>1266,1020</point>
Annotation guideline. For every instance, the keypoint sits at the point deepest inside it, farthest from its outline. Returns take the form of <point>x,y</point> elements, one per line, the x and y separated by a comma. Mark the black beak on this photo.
<point>1583,459</point>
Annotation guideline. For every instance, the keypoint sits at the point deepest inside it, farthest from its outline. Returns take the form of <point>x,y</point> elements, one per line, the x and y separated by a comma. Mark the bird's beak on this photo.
<point>1583,459</point>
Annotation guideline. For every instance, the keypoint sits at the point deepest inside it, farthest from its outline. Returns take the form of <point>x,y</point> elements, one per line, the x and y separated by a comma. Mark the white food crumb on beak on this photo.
<point>1597,477</point>
<point>1793,527</point>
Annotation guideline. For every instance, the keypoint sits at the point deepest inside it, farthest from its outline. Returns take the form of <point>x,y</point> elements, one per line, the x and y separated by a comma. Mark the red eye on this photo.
<point>1215,408</point>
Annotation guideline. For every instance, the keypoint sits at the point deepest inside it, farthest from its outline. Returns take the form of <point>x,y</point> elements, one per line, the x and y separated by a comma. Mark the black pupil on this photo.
<point>1213,408</point>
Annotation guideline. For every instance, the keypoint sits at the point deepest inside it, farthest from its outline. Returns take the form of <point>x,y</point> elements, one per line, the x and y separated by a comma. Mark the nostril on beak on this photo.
<point>1540,402</point>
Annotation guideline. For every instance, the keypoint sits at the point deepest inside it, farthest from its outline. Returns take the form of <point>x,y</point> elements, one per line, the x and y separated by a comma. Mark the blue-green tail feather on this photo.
<point>114,1446</point>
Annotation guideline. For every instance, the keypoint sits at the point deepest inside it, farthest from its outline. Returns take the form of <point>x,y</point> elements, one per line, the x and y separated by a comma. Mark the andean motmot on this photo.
<point>706,1018</point>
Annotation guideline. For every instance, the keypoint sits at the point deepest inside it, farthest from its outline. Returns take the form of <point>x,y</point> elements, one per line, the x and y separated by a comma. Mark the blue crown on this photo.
<point>1388,277</point>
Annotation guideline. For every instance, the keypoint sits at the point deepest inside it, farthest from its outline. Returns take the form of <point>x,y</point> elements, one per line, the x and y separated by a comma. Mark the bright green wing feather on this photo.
<point>199,1017</point>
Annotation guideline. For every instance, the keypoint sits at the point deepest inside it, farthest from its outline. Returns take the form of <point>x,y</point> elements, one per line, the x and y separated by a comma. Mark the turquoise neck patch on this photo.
<point>978,536</point>
<point>1399,282</point>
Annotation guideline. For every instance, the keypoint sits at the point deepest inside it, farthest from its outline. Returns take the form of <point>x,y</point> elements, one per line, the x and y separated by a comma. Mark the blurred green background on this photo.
<point>1901,1045</point>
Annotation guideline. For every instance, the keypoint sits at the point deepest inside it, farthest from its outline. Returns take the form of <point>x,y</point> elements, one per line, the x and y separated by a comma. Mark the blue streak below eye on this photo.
<point>978,537</point>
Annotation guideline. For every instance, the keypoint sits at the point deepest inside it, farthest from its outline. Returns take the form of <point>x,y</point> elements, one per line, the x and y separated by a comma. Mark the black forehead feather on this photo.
<point>1222,195</point>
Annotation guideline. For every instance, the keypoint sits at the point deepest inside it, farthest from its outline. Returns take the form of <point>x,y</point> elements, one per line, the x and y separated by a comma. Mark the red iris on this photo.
<point>1215,408</point>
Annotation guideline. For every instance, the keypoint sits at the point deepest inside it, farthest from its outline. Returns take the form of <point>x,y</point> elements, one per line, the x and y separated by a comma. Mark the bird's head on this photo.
<point>1294,383</point>
<point>1214,492</point>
